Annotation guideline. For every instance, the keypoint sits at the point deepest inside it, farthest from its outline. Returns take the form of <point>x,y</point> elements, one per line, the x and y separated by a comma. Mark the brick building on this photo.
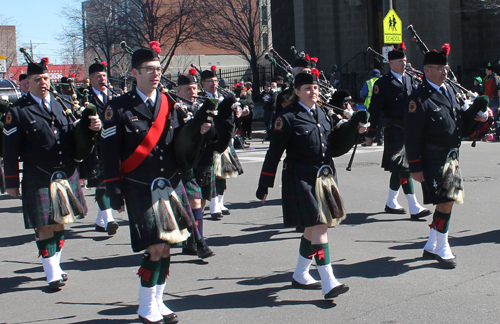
<point>338,32</point>
<point>8,46</point>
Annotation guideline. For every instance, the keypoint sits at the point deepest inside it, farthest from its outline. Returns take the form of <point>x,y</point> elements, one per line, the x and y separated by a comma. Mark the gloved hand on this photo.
<point>362,116</point>
<point>116,201</point>
<point>261,192</point>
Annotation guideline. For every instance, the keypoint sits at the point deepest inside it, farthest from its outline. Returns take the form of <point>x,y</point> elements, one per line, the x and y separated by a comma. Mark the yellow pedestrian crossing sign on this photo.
<point>393,28</point>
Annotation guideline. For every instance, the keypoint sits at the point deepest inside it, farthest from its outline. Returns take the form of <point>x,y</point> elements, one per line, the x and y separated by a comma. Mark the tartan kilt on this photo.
<point>208,192</point>
<point>193,190</point>
<point>142,222</point>
<point>36,197</point>
<point>432,166</point>
<point>299,204</point>
<point>393,144</point>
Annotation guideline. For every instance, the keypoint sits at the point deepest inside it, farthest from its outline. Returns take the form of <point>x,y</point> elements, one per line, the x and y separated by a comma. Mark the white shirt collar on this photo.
<point>397,76</point>
<point>145,98</point>
<point>435,86</point>
<point>99,91</point>
<point>214,95</point>
<point>39,100</point>
<point>307,108</point>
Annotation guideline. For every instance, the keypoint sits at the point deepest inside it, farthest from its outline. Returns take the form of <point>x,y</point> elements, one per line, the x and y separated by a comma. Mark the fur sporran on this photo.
<point>65,206</point>
<point>171,219</point>
<point>452,178</point>
<point>225,165</point>
<point>330,204</point>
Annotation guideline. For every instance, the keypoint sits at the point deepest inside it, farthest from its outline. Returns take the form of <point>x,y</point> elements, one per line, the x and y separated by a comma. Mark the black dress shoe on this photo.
<point>170,318</point>
<point>112,228</point>
<point>64,277</point>
<point>100,229</point>
<point>394,210</point>
<point>296,284</point>
<point>204,251</point>
<point>423,213</point>
<point>55,285</point>
<point>446,263</point>
<point>146,321</point>
<point>226,212</point>
<point>429,255</point>
<point>340,289</point>
<point>217,216</point>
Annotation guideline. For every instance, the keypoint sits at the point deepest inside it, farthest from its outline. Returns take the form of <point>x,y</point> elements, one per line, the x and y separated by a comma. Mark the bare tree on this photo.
<point>235,26</point>
<point>475,5</point>
<point>172,23</point>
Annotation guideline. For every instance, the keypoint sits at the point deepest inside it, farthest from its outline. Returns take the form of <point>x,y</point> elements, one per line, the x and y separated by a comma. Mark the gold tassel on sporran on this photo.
<point>171,218</point>
<point>65,206</point>
<point>452,178</point>
<point>330,205</point>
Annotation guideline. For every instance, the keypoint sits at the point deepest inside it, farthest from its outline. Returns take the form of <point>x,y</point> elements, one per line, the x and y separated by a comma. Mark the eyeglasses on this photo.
<point>152,69</point>
<point>440,69</point>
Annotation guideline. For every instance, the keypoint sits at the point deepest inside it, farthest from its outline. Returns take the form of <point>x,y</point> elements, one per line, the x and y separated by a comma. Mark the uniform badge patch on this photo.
<point>108,114</point>
<point>376,89</point>
<point>278,123</point>
<point>412,107</point>
<point>8,118</point>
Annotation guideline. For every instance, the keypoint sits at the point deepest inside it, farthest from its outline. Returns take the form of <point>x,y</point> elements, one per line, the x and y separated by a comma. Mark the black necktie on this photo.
<point>150,105</point>
<point>313,112</point>
<point>104,97</point>
<point>443,91</point>
<point>45,105</point>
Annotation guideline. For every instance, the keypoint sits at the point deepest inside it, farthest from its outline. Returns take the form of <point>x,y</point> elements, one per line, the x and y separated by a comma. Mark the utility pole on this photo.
<point>386,6</point>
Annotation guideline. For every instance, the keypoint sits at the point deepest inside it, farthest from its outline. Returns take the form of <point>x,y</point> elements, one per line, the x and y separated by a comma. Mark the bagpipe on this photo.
<point>84,138</point>
<point>326,90</point>
<point>67,111</point>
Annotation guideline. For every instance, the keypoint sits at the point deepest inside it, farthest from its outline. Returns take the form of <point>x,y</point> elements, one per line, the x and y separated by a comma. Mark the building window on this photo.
<point>265,40</point>
<point>264,14</point>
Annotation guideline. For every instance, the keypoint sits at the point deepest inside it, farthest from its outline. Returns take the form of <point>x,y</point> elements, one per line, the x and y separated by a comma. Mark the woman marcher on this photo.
<point>311,140</point>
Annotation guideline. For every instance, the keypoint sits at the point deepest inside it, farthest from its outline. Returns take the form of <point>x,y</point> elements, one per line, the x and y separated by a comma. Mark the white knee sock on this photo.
<point>413,204</point>
<point>431,244</point>
<point>392,200</point>
<point>148,307</point>
<point>164,310</point>
<point>301,274</point>
<point>328,280</point>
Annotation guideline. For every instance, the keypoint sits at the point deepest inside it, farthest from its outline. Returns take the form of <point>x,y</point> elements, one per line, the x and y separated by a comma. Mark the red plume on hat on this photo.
<point>446,49</point>
<point>73,75</point>
<point>45,60</point>
<point>156,46</point>
<point>213,68</point>
<point>192,71</point>
<point>314,59</point>
<point>315,71</point>
<point>105,63</point>
<point>307,57</point>
<point>402,46</point>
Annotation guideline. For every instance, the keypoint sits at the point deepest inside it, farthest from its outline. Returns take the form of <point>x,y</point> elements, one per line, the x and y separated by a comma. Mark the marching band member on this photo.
<point>91,168</point>
<point>434,126</point>
<point>309,192</point>
<point>137,148</point>
<point>387,107</point>
<point>38,130</point>
<point>195,244</point>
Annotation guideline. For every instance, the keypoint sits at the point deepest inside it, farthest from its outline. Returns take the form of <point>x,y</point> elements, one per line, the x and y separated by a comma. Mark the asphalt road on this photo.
<point>248,280</point>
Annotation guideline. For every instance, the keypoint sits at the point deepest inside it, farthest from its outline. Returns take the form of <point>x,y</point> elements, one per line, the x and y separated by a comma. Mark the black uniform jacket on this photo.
<point>304,139</point>
<point>90,167</point>
<point>431,121</point>
<point>389,100</point>
<point>126,122</point>
<point>44,140</point>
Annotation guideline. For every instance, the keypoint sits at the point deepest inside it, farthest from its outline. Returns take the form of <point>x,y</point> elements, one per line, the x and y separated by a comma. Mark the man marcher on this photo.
<point>195,244</point>
<point>38,130</point>
<point>387,107</point>
<point>23,84</point>
<point>210,84</point>
<point>91,167</point>
<point>366,93</point>
<point>139,128</point>
<point>434,126</point>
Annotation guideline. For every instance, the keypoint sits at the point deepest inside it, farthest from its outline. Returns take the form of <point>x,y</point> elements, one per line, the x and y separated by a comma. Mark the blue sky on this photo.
<point>39,22</point>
